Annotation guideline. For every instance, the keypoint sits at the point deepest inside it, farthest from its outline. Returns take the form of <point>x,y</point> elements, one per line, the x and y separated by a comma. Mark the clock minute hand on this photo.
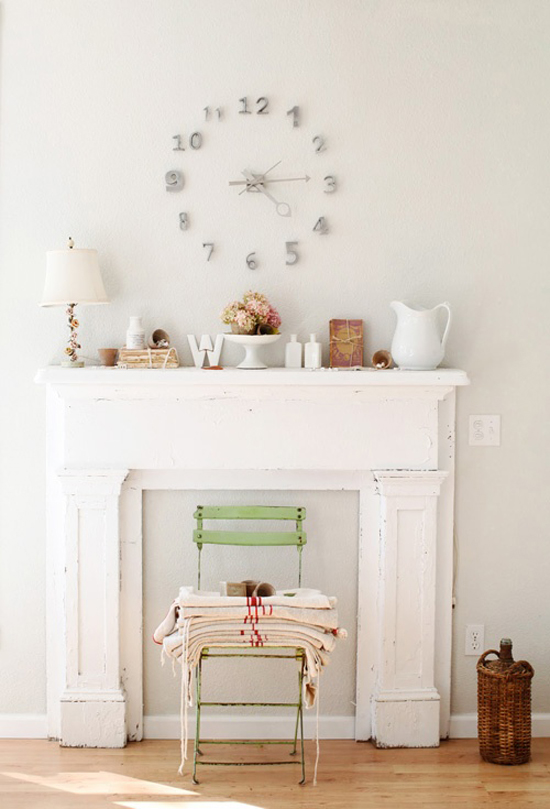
<point>263,179</point>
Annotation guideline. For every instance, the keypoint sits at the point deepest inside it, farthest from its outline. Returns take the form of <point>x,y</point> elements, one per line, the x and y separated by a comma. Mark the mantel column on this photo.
<point>406,701</point>
<point>92,708</point>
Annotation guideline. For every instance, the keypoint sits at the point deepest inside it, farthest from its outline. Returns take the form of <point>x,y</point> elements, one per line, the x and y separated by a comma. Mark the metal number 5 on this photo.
<point>291,254</point>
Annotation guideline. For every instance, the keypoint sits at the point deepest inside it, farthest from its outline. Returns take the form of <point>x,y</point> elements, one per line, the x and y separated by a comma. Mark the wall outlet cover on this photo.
<point>484,431</point>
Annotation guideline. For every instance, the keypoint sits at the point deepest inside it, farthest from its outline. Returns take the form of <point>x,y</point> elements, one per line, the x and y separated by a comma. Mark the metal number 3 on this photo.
<point>330,180</point>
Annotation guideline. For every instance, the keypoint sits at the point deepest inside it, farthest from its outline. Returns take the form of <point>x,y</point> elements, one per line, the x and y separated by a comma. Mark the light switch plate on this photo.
<point>484,431</point>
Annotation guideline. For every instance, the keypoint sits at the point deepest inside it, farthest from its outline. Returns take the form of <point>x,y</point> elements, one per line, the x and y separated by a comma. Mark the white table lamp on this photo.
<point>72,276</point>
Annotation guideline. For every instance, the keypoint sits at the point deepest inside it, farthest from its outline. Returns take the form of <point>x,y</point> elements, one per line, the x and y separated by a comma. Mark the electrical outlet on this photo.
<point>484,431</point>
<point>475,639</point>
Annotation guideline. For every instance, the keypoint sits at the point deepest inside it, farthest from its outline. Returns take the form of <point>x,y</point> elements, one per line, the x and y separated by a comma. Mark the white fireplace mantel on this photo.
<point>114,433</point>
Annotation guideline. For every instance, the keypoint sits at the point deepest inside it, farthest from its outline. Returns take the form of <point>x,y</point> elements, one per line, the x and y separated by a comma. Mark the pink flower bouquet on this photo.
<point>254,315</point>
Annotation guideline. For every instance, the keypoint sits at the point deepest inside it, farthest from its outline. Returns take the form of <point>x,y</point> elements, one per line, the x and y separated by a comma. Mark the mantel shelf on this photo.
<point>324,377</point>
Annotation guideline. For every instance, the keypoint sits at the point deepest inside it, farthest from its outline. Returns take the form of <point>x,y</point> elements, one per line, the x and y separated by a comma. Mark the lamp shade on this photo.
<point>72,276</point>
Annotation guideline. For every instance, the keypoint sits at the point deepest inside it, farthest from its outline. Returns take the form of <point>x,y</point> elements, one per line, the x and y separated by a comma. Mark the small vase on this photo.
<point>135,336</point>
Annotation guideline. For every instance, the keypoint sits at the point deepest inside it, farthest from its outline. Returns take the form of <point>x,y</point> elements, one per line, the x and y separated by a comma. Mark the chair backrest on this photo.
<point>296,514</point>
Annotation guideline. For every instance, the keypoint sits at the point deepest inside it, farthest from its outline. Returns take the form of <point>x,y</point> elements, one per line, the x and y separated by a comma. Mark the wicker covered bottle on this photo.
<point>504,706</point>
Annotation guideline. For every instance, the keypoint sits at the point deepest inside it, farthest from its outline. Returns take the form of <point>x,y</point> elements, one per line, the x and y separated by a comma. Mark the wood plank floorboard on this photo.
<point>351,776</point>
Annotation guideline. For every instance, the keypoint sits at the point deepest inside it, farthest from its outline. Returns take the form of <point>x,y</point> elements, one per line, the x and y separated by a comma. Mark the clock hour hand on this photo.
<point>256,183</point>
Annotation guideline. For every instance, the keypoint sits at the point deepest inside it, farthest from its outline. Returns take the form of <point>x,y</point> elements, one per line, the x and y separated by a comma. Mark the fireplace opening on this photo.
<point>330,564</point>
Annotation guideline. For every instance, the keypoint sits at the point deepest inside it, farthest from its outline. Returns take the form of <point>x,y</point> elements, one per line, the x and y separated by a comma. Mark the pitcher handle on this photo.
<point>446,332</point>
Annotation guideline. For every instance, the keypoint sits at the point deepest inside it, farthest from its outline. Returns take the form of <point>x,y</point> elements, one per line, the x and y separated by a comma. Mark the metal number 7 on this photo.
<point>211,246</point>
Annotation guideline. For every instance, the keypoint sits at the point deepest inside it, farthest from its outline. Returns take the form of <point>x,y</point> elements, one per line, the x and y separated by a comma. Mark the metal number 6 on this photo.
<point>251,261</point>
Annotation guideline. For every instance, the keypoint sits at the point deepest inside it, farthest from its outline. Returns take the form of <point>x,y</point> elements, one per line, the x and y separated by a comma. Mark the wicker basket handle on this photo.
<point>481,660</point>
<point>519,666</point>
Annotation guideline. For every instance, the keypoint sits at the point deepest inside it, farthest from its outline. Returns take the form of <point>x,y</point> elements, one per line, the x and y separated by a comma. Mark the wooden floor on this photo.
<point>144,776</point>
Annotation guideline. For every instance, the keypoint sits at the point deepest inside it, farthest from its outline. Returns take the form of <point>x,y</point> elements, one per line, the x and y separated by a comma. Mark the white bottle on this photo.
<point>293,353</point>
<point>135,336</point>
<point>312,353</point>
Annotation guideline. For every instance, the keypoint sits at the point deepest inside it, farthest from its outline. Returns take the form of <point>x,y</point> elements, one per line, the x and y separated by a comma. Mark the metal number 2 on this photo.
<point>321,226</point>
<point>184,220</point>
<point>251,261</point>
<point>210,245</point>
<point>291,254</point>
<point>320,143</point>
<point>262,110</point>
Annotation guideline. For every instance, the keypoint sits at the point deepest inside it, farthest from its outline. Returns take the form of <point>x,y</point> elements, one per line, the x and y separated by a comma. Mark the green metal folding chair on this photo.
<point>202,536</point>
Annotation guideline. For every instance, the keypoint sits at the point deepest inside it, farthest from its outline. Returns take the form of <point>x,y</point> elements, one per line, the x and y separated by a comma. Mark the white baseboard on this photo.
<point>23,726</point>
<point>464,725</point>
<point>249,727</point>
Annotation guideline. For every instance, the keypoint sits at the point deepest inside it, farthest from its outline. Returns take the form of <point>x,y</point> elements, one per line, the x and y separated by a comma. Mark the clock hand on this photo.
<point>283,208</point>
<point>306,179</point>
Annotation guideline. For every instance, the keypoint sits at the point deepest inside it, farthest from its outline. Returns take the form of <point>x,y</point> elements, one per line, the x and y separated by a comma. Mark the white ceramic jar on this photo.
<point>135,336</point>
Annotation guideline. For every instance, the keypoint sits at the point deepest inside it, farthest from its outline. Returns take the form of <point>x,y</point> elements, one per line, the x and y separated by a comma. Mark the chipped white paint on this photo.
<point>273,429</point>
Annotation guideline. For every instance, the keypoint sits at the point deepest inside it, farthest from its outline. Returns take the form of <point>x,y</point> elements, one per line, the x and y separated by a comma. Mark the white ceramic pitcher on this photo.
<point>417,345</point>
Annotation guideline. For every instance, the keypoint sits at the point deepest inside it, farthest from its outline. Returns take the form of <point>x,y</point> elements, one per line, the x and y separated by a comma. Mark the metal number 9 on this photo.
<point>173,180</point>
<point>251,261</point>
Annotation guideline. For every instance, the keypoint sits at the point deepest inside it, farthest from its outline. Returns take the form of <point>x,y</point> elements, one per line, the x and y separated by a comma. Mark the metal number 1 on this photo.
<point>245,110</point>
<point>295,112</point>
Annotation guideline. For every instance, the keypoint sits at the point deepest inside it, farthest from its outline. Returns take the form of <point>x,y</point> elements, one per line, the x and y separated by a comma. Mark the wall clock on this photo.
<point>255,164</point>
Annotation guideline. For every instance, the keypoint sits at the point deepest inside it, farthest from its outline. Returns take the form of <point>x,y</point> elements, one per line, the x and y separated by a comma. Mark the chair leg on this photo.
<point>196,750</point>
<point>293,753</point>
<point>301,714</point>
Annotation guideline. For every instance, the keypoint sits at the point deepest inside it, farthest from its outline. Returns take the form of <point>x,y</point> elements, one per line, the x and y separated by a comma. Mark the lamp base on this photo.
<point>69,364</point>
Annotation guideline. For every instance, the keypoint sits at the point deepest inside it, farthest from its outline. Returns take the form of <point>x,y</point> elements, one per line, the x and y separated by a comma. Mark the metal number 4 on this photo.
<point>210,247</point>
<point>321,226</point>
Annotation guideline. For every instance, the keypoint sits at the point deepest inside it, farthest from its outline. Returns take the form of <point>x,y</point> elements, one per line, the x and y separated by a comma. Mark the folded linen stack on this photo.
<point>302,619</point>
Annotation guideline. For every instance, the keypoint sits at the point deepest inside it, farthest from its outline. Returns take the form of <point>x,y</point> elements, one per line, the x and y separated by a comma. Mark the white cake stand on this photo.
<point>252,344</point>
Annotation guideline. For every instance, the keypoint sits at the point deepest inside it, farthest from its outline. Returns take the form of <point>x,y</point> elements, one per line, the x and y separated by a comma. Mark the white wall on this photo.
<point>437,118</point>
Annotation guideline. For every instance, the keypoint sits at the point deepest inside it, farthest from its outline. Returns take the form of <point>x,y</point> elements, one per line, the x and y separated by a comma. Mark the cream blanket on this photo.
<point>294,619</point>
